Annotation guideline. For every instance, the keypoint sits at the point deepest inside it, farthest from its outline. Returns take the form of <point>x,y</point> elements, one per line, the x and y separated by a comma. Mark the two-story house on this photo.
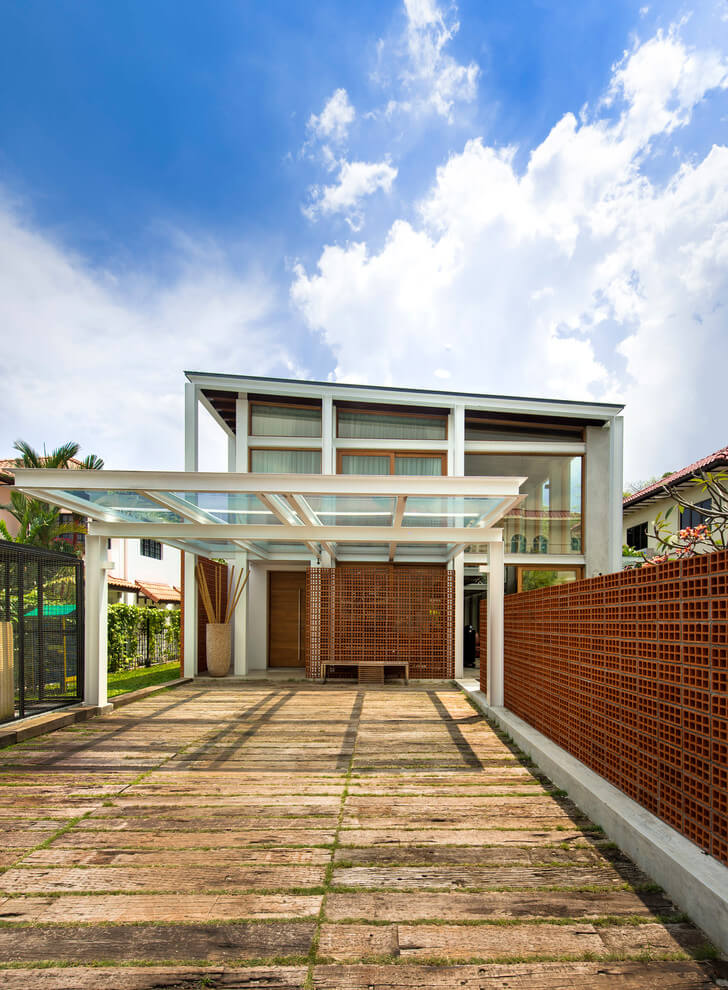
<point>369,517</point>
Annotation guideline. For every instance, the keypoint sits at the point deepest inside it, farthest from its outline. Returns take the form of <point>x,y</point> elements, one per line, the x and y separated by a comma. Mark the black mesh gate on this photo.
<point>41,630</point>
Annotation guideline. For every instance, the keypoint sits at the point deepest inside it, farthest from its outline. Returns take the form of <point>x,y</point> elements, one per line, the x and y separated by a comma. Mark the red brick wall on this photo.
<point>629,673</point>
<point>380,612</point>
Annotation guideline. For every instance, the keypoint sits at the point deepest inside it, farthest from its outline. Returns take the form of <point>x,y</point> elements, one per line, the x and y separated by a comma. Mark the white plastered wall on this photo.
<point>257,641</point>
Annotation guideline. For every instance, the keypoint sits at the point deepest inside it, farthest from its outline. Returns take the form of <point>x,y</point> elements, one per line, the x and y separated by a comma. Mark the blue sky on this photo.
<point>516,197</point>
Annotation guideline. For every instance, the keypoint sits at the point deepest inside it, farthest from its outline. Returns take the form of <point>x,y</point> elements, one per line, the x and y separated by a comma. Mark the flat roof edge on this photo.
<point>613,408</point>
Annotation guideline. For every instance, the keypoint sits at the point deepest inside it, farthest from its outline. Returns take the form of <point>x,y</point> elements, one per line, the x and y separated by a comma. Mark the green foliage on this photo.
<point>630,551</point>
<point>125,622</point>
<point>39,523</point>
<point>709,535</point>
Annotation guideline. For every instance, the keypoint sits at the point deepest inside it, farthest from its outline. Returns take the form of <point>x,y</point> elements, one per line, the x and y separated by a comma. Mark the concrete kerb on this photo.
<point>695,881</point>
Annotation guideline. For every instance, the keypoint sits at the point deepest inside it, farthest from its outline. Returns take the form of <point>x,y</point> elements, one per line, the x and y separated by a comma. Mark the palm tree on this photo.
<point>39,522</point>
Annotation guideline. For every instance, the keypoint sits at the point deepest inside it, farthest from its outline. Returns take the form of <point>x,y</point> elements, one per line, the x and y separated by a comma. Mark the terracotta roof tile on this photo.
<point>718,459</point>
<point>159,592</point>
<point>120,584</point>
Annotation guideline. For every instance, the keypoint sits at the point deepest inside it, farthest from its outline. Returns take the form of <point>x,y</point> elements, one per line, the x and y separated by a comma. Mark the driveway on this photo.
<point>287,836</point>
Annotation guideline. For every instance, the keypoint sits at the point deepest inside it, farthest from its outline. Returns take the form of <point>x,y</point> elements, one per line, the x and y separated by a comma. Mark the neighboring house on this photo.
<point>144,571</point>
<point>640,510</point>
<point>371,519</point>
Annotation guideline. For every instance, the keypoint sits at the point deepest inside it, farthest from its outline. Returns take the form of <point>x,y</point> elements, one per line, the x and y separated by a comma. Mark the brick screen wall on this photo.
<point>382,612</point>
<point>629,673</point>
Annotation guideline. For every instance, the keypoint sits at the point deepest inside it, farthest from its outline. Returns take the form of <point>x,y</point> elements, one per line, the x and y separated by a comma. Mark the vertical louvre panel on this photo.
<point>382,613</point>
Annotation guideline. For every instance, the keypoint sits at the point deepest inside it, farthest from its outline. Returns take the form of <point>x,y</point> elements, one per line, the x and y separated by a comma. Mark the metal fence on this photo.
<point>41,630</point>
<point>146,646</point>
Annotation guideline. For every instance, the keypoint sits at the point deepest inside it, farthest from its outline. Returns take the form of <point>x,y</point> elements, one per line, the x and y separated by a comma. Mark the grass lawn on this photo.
<point>132,680</point>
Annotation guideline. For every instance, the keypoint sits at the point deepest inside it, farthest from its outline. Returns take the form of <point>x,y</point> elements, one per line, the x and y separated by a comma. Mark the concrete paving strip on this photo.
<point>452,906</point>
<point>158,907</point>
<point>343,942</point>
<point>661,975</point>
<point>157,943</point>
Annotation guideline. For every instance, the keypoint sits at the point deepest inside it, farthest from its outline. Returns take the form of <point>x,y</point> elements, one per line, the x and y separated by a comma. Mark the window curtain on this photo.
<point>284,421</point>
<point>418,465</point>
<point>373,426</point>
<point>365,464</point>
<point>286,461</point>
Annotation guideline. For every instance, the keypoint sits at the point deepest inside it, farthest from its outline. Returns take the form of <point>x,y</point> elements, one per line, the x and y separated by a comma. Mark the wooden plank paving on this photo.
<point>287,836</point>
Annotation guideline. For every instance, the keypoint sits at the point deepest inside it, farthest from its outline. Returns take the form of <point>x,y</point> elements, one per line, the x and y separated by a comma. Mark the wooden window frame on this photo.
<point>391,412</point>
<point>392,454</point>
<point>282,405</point>
<point>520,568</point>
<point>284,450</point>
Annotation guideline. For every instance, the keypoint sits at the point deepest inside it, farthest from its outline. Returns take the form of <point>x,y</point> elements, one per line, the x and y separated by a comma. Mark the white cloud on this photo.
<point>355,181</point>
<point>432,76</point>
<point>579,278</point>
<point>97,357</point>
<point>333,123</point>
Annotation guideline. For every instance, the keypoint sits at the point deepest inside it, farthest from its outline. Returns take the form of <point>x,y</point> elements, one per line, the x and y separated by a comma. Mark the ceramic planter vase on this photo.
<point>218,649</point>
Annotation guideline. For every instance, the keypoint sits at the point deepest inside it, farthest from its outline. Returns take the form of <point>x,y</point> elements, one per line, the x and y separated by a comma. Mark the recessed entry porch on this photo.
<point>343,568</point>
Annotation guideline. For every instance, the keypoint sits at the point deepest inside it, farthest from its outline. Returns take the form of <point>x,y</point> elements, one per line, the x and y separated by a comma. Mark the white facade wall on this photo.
<point>129,563</point>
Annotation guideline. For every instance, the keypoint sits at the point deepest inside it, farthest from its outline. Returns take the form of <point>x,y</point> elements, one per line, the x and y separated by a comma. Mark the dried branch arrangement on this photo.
<point>212,597</point>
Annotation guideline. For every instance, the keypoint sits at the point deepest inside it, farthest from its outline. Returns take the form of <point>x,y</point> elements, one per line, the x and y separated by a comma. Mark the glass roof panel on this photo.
<point>231,507</point>
<point>127,505</point>
<point>353,510</point>
<point>450,510</point>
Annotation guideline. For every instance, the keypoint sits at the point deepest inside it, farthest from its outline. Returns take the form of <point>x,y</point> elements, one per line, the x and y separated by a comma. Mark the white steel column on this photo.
<point>328,431</point>
<point>241,435</point>
<point>96,619</point>
<point>192,433</point>
<point>457,425</point>
<point>232,451</point>
<point>239,621</point>
<point>616,484</point>
<point>189,633</point>
<point>458,564</point>
<point>495,625</point>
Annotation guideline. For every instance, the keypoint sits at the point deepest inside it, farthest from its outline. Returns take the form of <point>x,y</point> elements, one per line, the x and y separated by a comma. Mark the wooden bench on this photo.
<point>368,671</point>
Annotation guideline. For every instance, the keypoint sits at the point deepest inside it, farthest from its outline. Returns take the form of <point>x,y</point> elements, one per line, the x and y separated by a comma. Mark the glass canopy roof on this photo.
<point>284,516</point>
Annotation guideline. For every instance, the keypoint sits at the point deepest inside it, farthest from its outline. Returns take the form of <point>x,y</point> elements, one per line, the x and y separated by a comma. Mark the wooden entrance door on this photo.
<point>286,618</point>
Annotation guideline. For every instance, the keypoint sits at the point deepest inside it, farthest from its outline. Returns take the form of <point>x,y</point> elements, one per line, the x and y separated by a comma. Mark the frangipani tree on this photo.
<point>706,537</point>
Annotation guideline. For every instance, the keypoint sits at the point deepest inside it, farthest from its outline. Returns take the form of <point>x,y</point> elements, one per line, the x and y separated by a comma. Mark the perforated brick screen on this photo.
<point>382,612</point>
<point>629,673</point>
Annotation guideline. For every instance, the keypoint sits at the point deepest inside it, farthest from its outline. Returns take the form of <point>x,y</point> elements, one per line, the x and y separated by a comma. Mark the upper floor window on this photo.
<point>151,548</point>
<point>269,420</point>
<point>549,519</point>
<point>494,428</point>
<point>391,462</point>
<point>356,424</point>
<point>281,461</point>
<point>637,536</point>
<point>693,516</point>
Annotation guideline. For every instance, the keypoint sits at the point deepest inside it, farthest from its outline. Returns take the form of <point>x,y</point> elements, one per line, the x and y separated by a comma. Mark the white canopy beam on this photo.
<point>296,534</point>
<point>296,484</point>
